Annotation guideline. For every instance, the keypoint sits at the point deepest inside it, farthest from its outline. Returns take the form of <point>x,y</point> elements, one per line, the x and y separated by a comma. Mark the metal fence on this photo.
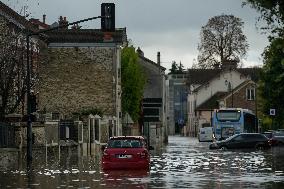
<point>7,135</point>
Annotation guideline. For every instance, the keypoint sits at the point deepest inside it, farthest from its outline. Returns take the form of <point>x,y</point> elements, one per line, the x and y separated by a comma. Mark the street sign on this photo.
<point>272,112</point>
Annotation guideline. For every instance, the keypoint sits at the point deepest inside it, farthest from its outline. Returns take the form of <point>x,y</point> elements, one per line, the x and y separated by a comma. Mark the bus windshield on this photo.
<point>228,115</point>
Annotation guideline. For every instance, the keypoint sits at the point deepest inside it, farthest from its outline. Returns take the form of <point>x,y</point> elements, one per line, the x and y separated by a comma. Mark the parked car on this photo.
<point>126,152</point>
<point>205,134</point>
<point>277,139</point>
<point>268,134</point>
<point>243,140</point>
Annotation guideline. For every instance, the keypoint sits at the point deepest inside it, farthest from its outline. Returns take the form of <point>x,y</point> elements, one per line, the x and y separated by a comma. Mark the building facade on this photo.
<point>154,98</point>
<point>177,91</point>
<point>219,88</point>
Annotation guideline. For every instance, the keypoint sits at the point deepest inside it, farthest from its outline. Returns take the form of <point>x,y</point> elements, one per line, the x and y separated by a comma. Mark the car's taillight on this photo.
<point>144,154</point>
<point>106,155</point>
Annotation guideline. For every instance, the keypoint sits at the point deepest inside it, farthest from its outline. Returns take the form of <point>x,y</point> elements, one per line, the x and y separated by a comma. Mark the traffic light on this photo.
<point>108,16</point>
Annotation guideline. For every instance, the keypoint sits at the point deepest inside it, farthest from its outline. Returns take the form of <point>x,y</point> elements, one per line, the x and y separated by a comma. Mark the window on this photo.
<point>250,93</point>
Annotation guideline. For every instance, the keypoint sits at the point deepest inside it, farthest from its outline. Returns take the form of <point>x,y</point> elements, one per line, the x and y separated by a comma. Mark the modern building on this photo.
<point>176,96</point>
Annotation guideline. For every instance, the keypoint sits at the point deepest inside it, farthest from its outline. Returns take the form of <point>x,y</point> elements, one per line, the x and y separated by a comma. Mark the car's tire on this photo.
<point>224,148</point>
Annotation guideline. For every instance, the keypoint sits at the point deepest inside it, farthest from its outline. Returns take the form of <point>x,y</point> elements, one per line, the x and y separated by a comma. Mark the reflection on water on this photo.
<point>184,163</point>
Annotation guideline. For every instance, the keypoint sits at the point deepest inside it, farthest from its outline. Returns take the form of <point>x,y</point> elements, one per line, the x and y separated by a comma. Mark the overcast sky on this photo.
<point>169,26</point>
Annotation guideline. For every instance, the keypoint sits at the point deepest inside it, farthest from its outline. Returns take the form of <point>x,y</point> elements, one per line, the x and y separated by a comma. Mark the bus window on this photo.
<point>228,115</point>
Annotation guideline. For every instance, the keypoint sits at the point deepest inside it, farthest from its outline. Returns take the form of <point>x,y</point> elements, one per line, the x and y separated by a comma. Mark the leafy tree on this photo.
<point>133,82</point>
<point>272,80</point>
<point>174,67</point>
<point>222,40</point>
<point>180,68</point>
<point>271,87</point>
<point>12,69</point>
<point>272,11</point>
<point>177,69</point>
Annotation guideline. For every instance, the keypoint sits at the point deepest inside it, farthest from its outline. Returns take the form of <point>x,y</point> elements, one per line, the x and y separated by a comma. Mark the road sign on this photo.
<point>272,112</point>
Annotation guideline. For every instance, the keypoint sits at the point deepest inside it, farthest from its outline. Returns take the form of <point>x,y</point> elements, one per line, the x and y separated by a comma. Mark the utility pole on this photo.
<point>108,11</point>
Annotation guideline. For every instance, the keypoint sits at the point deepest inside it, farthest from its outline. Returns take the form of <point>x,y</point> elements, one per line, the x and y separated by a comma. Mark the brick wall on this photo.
<point>74,79</point>
<point>240,99</point>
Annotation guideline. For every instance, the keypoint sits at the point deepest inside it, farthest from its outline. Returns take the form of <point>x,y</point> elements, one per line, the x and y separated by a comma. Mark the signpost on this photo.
<point>272,112</point>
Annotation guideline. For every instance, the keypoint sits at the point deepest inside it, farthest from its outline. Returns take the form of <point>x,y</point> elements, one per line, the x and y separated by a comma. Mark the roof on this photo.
<point>211,103</point>
<point>202,76</point>
<point>150,61</point>
<point>38,23</point>
<point>86,36</point>
<point>13,16</point>
<point>254,73</point>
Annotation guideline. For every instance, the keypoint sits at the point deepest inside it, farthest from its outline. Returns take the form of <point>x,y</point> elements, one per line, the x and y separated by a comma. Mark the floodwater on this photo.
<point>183,163</point>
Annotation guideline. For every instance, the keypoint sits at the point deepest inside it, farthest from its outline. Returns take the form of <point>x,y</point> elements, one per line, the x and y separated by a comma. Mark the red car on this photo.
<point>126,152</point>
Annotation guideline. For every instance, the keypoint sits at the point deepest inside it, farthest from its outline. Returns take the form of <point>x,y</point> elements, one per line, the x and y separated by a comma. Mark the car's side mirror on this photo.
<point>151,148</point>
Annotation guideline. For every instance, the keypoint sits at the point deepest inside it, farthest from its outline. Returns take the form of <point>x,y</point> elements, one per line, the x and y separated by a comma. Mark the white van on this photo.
<point>205,134</point>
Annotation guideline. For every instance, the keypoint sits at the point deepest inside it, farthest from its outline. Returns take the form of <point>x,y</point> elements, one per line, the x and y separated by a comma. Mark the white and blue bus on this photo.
<point>229,121</point>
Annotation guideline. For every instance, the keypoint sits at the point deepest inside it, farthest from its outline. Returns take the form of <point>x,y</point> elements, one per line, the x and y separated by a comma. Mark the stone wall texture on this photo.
<point>76,79</point>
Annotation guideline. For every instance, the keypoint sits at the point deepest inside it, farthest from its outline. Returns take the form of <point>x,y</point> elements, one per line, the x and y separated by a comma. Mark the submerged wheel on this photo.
<point>223,148</point>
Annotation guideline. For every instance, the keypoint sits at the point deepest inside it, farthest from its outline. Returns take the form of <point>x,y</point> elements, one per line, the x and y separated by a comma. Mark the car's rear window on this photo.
<point>125,143</point>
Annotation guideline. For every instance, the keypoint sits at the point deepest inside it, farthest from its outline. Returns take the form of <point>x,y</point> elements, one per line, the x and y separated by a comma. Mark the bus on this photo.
<point>229,121</point>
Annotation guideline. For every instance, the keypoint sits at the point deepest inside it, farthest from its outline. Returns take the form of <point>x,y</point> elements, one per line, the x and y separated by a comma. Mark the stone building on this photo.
<point>80,72</point>
<point>154,100</point>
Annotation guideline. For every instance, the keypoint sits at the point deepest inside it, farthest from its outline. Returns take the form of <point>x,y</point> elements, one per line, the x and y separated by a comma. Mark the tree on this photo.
<point>180,68</point>
<point>272,79</point>
<point>272,12</point>
<point>177,69</point>
<point>133,82</point>
<point>12,69</point>
<point>271,87</point>
<point>222,40</point>
<point>174,67</point>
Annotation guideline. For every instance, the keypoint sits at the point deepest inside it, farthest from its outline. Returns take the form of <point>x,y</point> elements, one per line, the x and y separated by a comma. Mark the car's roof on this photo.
<point>126,137</point>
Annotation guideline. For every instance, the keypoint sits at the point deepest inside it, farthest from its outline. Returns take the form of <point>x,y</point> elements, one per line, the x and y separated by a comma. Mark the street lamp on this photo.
<point>230,89</point>
<point>107,15</point>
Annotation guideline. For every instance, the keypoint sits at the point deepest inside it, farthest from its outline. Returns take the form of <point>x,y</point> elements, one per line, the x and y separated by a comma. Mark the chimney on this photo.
<point>229,64</point>
<point>159,58</point>
<point>63,21</point>
<point>43,18</point>
<point>140,52</point>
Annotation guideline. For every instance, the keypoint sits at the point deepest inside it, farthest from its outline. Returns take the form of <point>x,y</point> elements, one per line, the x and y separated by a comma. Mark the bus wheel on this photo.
<point>223,148</point>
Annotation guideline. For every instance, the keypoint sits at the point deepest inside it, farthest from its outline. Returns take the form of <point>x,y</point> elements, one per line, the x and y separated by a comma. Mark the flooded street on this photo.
<point>183,163</point>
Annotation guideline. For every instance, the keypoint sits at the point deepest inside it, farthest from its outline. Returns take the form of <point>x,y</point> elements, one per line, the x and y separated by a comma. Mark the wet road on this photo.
<point>183,163</point>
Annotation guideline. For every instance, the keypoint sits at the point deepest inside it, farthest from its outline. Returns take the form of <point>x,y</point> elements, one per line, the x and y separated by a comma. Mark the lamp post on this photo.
<point>230,89</point>
<point>29,120</point>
